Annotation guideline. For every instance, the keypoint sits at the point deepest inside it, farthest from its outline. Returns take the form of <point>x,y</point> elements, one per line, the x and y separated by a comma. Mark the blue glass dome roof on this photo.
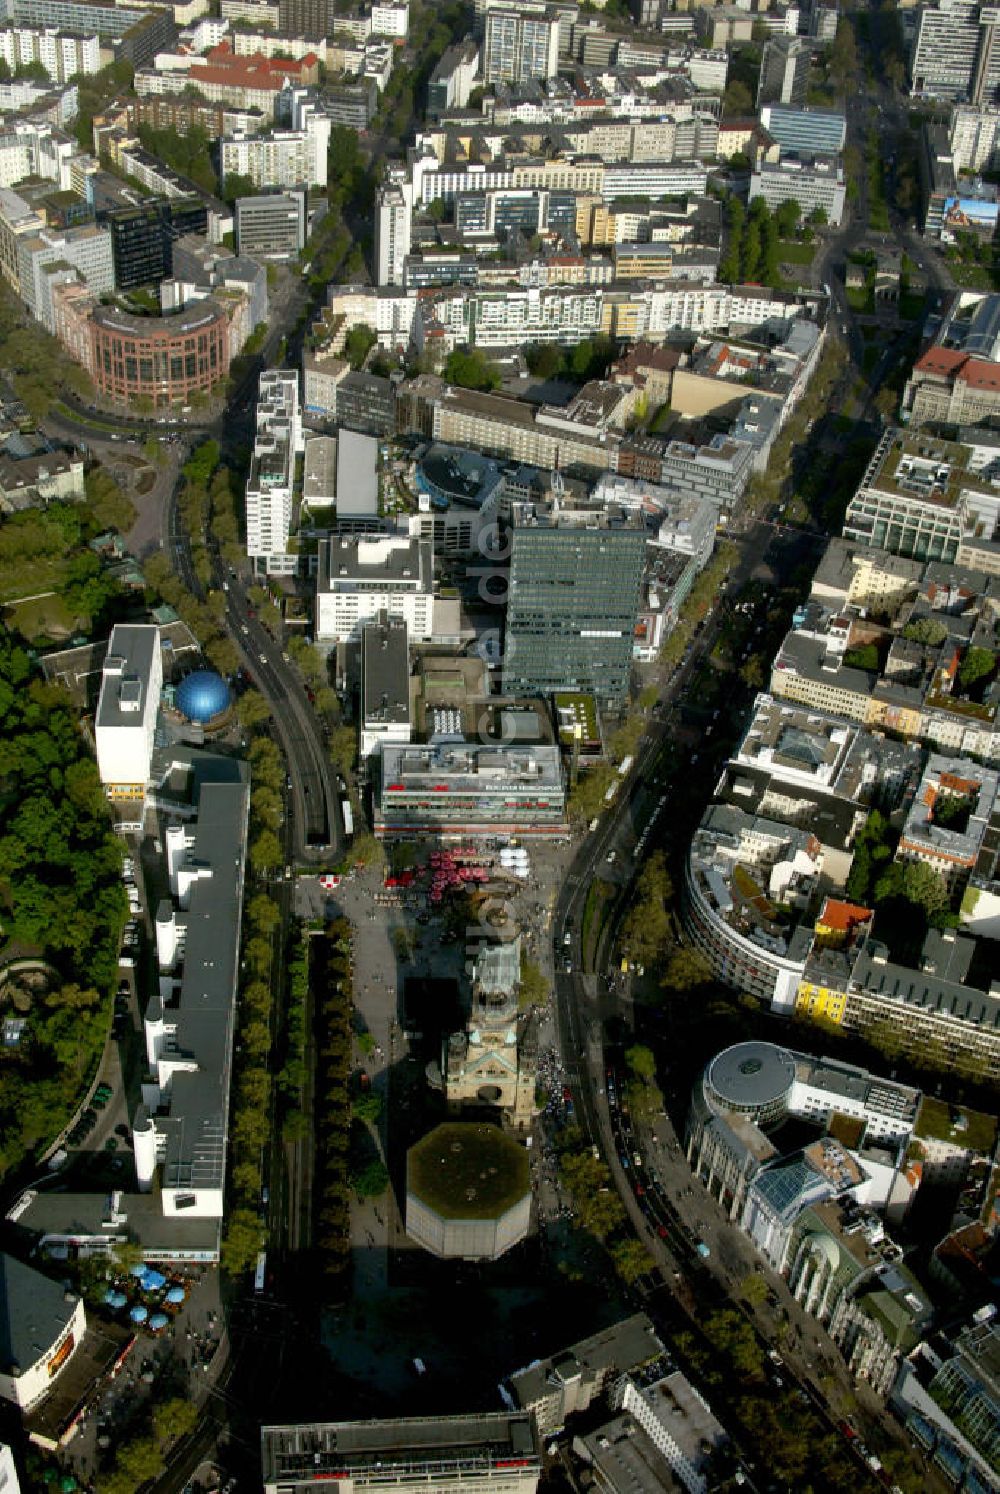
<point>202,695</point>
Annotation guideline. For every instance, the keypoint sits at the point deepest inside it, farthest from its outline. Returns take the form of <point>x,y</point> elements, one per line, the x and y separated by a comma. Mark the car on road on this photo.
<point>263,658</point>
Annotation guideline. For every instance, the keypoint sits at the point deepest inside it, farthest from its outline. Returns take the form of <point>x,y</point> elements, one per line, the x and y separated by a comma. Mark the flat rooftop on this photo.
<point>623,1346</point>
<point>385,673</point>
<point>466,1171</point>
<point>320,1450</point>
<point>319,477</point>
<point>196,1126</point>
<point>70,1218</point>
<point>479,766</point>
<point>926,469</point>
<point>357,475</point>
<point>360,563</point>
<point>128,668</point>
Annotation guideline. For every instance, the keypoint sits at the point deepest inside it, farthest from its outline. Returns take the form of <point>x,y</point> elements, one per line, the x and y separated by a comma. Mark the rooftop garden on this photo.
<point>972,1129</point>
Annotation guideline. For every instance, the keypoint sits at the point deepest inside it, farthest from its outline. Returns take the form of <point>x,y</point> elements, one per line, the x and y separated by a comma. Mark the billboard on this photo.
<point>969,214</point>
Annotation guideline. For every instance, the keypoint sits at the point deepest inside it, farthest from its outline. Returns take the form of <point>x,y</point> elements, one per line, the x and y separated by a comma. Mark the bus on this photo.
<point>624,766</point>
<point>345,809</point>
<point>260,1275</point>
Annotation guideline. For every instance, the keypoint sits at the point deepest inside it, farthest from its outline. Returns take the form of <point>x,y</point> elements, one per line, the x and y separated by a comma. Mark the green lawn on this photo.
<point>45,617</point>
<point>793,252</point>
<point>43,573</point>
<point>962,1127</point>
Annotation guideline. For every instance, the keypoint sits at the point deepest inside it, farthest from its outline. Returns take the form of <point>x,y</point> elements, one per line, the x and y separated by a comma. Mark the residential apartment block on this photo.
<point>270,489</point>
<point>62,54</point>
<point>519,45</point>
<point>279,158</point>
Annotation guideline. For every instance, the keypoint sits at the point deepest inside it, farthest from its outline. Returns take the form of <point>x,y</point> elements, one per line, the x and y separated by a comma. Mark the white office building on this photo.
<point>270,490</point>
<point>126,710</point>
<point>816,182</point>
<point>360,576</point>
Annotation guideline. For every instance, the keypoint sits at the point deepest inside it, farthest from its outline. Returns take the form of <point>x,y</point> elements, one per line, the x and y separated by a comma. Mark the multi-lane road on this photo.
<point>312,784</point>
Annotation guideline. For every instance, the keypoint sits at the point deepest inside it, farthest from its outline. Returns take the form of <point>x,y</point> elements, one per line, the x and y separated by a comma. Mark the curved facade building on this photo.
<point>765,967</point>
<point>163,358</point>
<point>753,1079</point>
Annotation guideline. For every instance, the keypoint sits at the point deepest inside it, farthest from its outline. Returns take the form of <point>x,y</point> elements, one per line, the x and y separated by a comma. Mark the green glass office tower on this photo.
<point>573,600</point>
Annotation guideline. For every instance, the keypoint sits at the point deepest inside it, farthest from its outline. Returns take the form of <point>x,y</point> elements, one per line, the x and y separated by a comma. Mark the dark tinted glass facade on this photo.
<point>571,609</point>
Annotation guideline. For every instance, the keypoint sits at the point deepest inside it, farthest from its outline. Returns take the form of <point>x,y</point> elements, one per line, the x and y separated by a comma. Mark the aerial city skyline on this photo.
<point>500,783</point>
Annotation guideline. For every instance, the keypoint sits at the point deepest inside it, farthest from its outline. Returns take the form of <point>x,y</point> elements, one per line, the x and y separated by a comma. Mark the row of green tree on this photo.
<point>333,997</point>
<point>599,1210</point>
<point>590,358</point>
<point>61,897</point>
<point>753,235</point>
<point>250,1120</point>
<point>188,153</point>
<point>37,364</point>
<point>140,1457</point>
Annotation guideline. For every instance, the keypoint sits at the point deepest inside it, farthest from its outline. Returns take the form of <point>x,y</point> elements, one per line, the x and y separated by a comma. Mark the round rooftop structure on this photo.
<point>753,1079</point>
<point>202,696</point>
<point>468,1192</point>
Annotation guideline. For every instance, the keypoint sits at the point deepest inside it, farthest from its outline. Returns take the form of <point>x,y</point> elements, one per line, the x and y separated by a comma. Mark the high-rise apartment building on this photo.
<point>392,232</point>
<point>573,599</point>
<point>784,71</point>
<point>307,17</point>
<point>974,137</point>
<point>279,158</point>
<point>62,56</point>
<point>520,46</point>
<point>136,32</point>
<point>956,54</point>
<point>271,483</point>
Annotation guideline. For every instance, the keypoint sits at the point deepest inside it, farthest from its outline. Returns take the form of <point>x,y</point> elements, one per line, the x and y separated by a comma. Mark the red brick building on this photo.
<point>165,359</point>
